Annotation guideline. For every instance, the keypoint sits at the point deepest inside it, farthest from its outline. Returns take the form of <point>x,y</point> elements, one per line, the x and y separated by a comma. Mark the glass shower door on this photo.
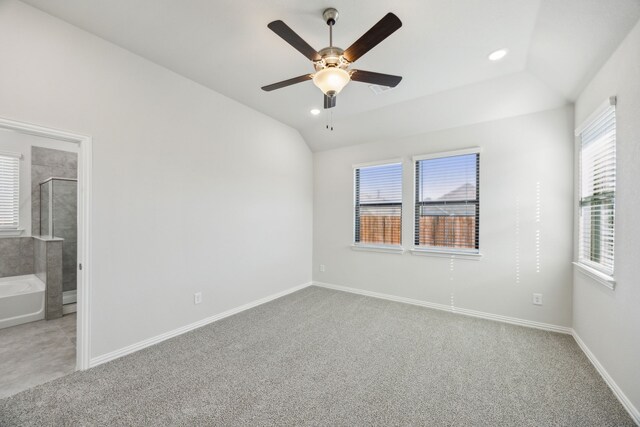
<point>59,219</point>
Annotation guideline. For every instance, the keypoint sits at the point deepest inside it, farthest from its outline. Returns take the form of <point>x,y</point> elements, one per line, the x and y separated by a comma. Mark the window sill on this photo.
<point>476,256</point>
<point>378,248</point>
<point>11,233</point>
<point>602,278</point>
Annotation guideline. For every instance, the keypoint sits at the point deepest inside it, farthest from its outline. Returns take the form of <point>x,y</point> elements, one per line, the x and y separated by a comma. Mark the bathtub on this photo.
<point>21,300</point>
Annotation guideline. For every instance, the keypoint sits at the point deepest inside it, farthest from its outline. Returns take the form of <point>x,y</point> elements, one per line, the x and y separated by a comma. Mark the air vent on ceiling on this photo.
<point>377,89</point>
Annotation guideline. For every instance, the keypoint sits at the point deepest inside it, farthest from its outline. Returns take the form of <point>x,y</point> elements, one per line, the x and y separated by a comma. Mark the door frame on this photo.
<point>85,143</point>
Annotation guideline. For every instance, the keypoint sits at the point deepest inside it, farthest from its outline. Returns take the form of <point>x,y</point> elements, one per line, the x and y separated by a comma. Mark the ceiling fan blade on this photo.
<point>383,29</point>
<point>286,83</point>
<point>290,36</point>
<point>375,78</point>
<point>329,101</point>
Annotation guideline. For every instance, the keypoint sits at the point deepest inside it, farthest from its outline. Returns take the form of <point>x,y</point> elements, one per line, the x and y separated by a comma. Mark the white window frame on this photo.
<point>586,267</point>
<point>14,230</point>
<point>456,253</point>
<point>357,246</point>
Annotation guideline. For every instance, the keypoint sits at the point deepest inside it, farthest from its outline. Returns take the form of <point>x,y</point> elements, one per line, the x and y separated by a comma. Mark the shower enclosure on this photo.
<point>59,219</point>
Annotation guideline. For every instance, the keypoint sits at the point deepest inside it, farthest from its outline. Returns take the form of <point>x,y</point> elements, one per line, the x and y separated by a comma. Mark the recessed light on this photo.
<point>315,111</point>
<point>498,54</point>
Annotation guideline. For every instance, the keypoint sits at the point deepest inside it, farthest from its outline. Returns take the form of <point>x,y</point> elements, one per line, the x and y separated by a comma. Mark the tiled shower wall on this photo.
<point>48,268</point>
<point>16,256</point>
<point>47,163</point>
<point>65,225</point>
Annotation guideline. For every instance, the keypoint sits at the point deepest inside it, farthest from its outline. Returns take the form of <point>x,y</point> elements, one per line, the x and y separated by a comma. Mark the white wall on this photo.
<point>191,191</point>
<point>21,143</point>
<point>609,321</point>
<point>517,154</point>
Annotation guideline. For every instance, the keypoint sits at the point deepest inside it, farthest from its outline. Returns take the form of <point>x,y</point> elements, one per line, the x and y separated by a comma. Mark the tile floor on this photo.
<point>36,352</point>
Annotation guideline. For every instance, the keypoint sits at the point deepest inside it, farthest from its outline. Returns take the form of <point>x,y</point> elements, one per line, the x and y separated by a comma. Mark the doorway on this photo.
<point>45,233</point>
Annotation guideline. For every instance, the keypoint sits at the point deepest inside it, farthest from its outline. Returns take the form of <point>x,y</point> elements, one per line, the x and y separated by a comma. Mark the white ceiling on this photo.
<point>441,51</point>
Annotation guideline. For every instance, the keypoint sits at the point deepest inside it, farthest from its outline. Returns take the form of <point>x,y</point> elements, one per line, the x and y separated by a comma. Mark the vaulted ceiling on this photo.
<point>555,46</point>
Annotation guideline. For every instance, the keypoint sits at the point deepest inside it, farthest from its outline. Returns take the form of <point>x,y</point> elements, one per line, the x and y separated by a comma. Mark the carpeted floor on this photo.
<point>321,357</point>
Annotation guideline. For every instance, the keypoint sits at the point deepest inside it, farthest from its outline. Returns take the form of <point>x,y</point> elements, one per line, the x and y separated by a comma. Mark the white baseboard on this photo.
<point>626,403</point>
<point>632,410</point>
<point>162,337</point>
<point>514,320</point>
<point>69,308</point>
<point>451,309</point>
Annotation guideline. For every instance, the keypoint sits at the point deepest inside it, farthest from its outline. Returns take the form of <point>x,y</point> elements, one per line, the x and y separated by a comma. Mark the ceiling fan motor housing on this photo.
<point>331,57</point>
<point>330,16</point>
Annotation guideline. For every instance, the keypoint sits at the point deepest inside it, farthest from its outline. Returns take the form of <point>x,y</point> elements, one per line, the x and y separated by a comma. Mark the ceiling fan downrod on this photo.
<point>330,16</point>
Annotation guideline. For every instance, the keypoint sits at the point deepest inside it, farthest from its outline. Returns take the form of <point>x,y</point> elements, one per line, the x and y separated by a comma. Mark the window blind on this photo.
<point>9,190</point>
<point>597,191</point>
<point>378,204</point>
<point>447,202</point>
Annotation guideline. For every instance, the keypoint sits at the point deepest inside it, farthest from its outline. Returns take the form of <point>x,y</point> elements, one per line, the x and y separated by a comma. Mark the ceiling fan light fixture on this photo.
<point>331,80</point>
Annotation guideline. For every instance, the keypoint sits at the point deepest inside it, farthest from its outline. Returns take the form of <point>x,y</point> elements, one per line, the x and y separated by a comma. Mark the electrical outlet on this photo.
<point>322,268</point>
<point>197,298</point>
<point>537,299</point>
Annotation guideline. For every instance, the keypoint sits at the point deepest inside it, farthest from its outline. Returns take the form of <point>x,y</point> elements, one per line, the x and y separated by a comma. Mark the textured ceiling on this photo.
<point>441,52</point>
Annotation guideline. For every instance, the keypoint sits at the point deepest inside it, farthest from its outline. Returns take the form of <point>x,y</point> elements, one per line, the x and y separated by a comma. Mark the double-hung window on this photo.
<point>447,201</point>
<point>598,190</point>
<point>9,191</point>
<point>378,205</point>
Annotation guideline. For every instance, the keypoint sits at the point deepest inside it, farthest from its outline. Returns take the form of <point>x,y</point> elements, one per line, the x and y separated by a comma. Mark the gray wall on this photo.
<point>609,321</point>
<point>523,171</point>
<point>189,187</point>
<point>16,256</point>
<point>46,163</point>
<point>48,267</point>
<point>65,226</point>
<point>21,143</point>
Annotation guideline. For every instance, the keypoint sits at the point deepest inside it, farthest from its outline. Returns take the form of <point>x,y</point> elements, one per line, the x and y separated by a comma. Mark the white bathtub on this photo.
<point>21,300</point>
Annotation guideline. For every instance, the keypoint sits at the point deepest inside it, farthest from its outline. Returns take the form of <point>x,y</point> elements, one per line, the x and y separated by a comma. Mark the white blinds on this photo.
<point>9,190</point>
<point>597,191</point>
<point>378,204</point>
<point>447,202</point>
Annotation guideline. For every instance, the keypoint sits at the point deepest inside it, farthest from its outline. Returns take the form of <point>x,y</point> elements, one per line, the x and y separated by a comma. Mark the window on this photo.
<point>447,201</point>
<point>378,205</point>
<point>9,191</point>
<point>598,190</point>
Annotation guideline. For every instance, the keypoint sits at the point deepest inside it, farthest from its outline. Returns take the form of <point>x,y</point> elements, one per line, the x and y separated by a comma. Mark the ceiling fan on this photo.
<point>332,72</point>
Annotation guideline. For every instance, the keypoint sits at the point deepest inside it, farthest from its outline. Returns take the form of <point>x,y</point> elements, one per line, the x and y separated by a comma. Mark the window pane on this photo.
<point>381,184</point>
<point>450,226</point>
<point>448,178</point>
<point>447,205</point>
<point>9,191</point>
<point>597,192</point>
<point>378,207</point>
